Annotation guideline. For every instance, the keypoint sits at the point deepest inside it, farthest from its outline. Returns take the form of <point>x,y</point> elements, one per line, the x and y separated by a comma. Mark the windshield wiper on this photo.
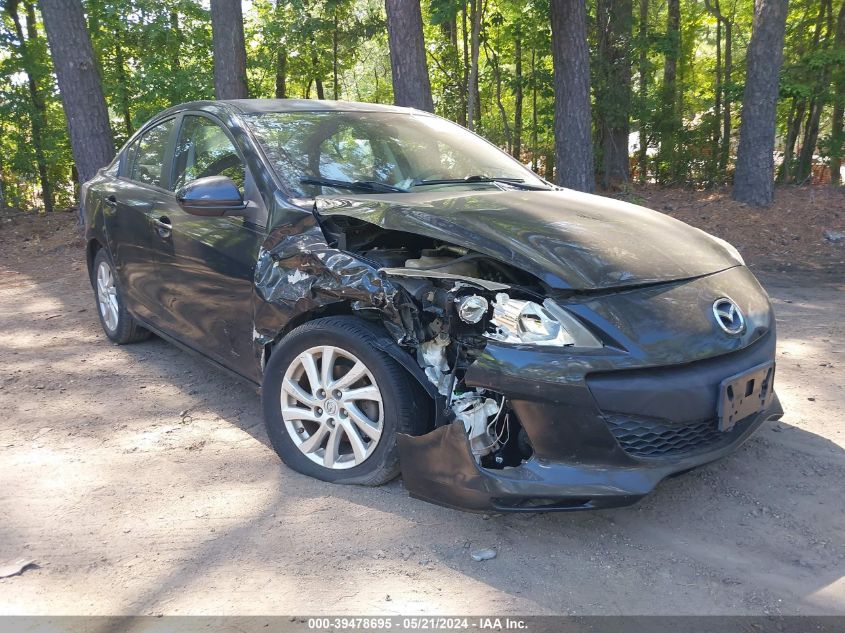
<point>371,186</point>
<point>519,183</point>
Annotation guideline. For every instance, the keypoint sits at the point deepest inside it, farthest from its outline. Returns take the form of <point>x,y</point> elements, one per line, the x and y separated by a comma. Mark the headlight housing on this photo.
<point>527,322</point>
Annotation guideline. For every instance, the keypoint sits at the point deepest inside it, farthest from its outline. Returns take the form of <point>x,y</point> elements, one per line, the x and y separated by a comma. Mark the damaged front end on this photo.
<point>439,302</point>
<point>544,397</point>
<point>455,301</point>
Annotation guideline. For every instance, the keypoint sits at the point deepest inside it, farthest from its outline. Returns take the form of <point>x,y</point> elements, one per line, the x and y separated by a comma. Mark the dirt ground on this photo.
<point>141,481</point>
<point>786,237</point>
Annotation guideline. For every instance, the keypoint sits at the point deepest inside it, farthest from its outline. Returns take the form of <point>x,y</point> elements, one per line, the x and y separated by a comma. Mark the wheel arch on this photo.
<point>383,342</point>
<point>339,308</point>
<point>92,247</point>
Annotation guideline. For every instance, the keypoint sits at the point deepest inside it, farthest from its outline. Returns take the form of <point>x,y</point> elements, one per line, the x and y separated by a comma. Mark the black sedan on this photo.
<point>410,298</point>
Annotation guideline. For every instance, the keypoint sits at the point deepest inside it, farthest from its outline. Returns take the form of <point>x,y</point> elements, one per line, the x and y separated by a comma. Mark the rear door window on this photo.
<point>149,155</point>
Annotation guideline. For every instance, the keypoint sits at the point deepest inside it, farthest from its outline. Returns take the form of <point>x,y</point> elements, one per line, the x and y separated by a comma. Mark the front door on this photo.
<point>206,265</point>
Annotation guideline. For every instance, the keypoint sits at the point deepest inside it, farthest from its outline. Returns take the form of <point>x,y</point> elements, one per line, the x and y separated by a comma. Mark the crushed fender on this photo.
<point>415,291</point>
<point>301,273</point>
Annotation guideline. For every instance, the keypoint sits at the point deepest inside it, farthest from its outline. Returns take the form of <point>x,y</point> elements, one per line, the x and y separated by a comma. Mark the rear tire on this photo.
<point>117,323</point>
<point>331,430</point>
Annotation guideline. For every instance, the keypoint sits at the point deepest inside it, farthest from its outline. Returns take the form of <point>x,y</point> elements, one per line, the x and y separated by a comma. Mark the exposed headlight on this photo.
<point>517,321</point>
<point>472,308</point>
<point>732,251</point>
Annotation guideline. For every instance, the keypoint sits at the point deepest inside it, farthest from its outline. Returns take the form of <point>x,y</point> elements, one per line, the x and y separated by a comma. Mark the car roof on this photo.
<point>258,106</point>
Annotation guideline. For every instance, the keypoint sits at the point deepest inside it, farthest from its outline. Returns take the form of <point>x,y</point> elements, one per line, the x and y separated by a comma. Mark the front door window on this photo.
<point>203,149</point>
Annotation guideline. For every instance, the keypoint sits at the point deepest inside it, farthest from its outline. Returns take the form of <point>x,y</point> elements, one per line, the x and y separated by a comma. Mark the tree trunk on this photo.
<point>176,45</point>
<point>465,84</point>
<point>493,58</point>
<point>122,79</point>
<point>790,167</point>
<point>39,122</point>
<point>670,123</point>
<point>454,70</point>
<point>549,166</point>
<point>79,85</point>
<point>516,150</point>
<point>534,131</point>
<point>120,63</point>
<point>838,122</point>
<point>175,40</point>
<point>573,141</point>
<point>804,168</point>
<point>717,88</point>
<point>39,109</point>
<point>3,200</point>
<point>754,179</point>
<point>411,84</point>
<point>613,94</point>
<point>723,86</point>
<point>335,85</point>
<point>281,74</point>
<point>837,136</point>
<point>473,114</point>
<point>726,100</point>
<point>315,65</point>
<point>227,25</point>
<point>642,160</point>
<point>796,115</point>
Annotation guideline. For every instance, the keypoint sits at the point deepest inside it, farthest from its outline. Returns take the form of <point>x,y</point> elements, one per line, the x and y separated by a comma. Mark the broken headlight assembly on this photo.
<point>472,308</point>
<point>527,322</point>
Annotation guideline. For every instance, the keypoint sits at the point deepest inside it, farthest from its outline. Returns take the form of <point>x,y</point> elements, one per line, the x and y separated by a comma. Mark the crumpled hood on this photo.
<point>569,240</point>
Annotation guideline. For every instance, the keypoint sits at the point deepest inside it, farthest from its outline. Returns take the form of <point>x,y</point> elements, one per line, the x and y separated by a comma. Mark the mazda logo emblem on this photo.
<point>728,316</point>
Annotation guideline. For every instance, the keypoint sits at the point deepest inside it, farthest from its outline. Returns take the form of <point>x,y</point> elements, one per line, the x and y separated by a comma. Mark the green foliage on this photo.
<point>306,33</point>
<point>154,54</point>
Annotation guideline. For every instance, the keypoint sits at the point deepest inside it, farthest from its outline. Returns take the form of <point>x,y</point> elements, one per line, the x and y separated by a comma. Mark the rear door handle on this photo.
<point>163,225</point>
<point>111,201</point>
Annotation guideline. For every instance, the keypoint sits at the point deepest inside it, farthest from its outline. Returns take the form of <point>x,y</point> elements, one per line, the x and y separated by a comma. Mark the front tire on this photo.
<point>334,402</point>
<point>117,323</point>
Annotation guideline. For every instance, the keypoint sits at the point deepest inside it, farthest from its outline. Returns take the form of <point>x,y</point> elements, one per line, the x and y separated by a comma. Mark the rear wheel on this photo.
<point>117,323</point>
<point>334,402</point>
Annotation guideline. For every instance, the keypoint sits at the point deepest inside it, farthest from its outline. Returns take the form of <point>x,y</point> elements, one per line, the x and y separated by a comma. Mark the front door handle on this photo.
<point>163,226</point>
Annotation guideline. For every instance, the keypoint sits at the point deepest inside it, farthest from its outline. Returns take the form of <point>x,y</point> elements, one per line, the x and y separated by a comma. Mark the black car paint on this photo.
<point>567,239</point>
<point>563,401</point>
<point>439,468</point>
<point>563,398</point>
<point>250,280</point>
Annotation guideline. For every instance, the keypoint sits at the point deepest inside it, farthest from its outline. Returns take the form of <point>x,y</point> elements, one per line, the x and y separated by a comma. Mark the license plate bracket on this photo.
<point>745,394</point>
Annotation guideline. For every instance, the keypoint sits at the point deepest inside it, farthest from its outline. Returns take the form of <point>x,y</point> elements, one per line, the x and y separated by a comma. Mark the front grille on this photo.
<point>641,436</point>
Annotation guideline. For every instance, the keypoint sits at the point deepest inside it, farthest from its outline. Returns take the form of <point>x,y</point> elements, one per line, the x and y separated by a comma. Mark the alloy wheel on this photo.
<point>107,296</point>
<point>332,407</point>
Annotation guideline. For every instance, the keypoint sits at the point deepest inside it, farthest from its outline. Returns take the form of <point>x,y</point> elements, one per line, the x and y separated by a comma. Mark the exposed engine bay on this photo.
<point>455,300</point>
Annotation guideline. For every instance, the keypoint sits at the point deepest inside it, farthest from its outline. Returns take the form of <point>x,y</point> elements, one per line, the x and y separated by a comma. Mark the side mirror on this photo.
<point>211,196</point>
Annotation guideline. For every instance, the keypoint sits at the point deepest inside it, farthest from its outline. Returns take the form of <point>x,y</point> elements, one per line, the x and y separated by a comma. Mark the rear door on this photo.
<point>206,265</point>
<point>129,211</point>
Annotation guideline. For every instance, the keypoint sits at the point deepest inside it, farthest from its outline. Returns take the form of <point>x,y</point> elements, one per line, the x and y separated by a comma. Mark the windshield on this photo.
<point>376,152</point>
